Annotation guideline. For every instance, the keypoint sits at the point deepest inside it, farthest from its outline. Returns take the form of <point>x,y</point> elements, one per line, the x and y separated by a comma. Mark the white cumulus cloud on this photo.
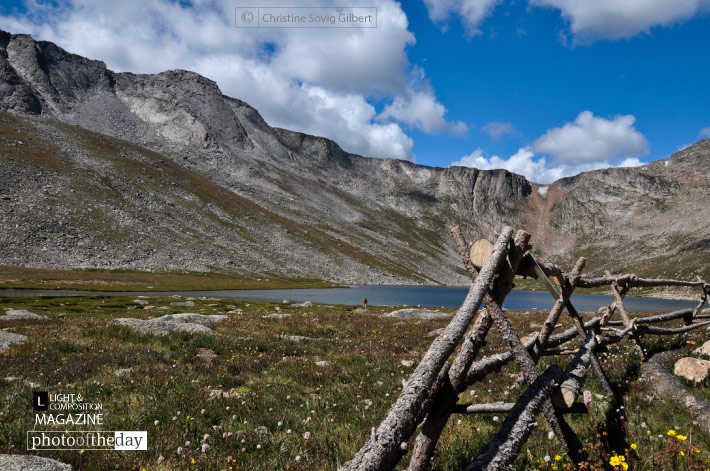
<point>422,111</point>
<point>523,162</point>
<point>588,143</point>
<point>498,129</point>
<point>590,139</point>
<point>318,81</point>
<point>471,12</point>
<point>616,19</point>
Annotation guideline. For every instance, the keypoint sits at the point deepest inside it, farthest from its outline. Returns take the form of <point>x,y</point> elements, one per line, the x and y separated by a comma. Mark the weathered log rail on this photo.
<point>431,395</point>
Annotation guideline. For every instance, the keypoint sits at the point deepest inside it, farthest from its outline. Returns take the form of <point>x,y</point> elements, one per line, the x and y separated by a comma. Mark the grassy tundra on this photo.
<point>299,392</point>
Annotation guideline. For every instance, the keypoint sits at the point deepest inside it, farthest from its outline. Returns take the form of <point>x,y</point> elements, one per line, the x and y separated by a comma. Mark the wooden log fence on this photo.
<point>431,396</point>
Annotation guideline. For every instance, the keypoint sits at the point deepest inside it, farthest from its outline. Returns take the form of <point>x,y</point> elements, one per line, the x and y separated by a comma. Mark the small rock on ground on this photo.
<point>436,333</point>
<point>206,355</point>
<point>303,304</point>
<point>417,314</point>
<point>276,316</point>
<point>31,463</point>
<point>295,338</point>
<point>183,303</point>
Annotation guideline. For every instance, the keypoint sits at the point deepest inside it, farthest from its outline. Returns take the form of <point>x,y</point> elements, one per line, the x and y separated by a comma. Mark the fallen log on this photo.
<point>505,407</point>
<point>384,448</point>
<point>649,329</point>
<point>438,416</point>
<point>573,379</point>
<point>495,362</point>
<point>517,426</point>
<point>527,364</point>
<point>667,386</point>
<point>625,317</point>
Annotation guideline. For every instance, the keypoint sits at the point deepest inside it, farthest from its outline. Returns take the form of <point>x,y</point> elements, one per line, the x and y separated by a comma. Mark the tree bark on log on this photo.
<point>383,450</point>
<point>667,386</point>
<point>462,249</point>
<point>517,426</point>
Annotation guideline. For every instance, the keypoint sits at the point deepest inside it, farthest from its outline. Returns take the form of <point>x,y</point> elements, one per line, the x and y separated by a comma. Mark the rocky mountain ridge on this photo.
<point>162,171</point>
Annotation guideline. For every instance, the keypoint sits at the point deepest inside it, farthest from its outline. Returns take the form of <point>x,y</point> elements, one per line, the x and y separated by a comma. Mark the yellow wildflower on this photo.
<point>681,453</point>
<point>633,446</point>
<point>671,433</point>
<point>558,458</point>
<point>681,437</point>
<point>615,461</point>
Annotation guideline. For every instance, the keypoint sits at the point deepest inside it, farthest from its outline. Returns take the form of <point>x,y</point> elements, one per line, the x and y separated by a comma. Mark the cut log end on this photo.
<point>564,398</point>
<point>480,251</point>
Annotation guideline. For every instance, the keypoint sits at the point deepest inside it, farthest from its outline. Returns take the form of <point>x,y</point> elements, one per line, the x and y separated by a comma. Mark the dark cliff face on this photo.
<point>286,202</point>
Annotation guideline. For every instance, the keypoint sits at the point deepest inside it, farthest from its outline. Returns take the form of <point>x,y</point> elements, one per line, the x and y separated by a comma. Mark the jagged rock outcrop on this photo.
<point>162,171</point>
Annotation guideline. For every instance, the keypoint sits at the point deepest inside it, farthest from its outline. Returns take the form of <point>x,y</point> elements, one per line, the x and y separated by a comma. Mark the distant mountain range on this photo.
<point>160,172</point>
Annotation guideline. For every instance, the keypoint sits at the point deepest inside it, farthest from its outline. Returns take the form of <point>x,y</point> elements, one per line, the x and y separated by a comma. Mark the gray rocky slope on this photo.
<point>163,171</point>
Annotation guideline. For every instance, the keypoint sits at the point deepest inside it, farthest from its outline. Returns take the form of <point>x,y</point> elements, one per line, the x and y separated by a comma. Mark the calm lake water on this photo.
<point>387,295</point>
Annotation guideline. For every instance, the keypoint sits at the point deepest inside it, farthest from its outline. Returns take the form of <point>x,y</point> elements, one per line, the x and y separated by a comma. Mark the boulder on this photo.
<point>417,314</point>
<point>31,463</point>
<point>8,339</point>
<point>183,304</point>
<point>163,328</point>
<point>704,349</point>
<point>191,317</point>
<point>20,314</point>
<point>187,322</point>
<point>692,369</point>
<point>142,302</point>
<point>436,333</point>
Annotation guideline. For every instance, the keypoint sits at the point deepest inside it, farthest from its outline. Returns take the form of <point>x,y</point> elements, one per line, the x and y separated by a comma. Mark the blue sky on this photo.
<point>546,88</point>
